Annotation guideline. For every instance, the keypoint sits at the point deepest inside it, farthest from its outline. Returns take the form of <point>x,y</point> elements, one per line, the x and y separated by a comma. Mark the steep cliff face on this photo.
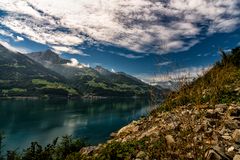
<point>200,121</point>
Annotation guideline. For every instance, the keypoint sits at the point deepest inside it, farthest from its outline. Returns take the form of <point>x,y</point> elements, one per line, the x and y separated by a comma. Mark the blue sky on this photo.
<point>148,39</point>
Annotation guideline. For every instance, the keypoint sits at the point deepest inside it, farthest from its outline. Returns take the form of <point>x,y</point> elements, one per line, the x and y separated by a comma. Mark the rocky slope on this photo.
<point>200,121</point>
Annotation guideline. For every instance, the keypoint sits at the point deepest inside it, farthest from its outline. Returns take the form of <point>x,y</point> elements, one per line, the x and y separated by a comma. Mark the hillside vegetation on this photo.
<point>20,77</point>
<point>47,75</point>
<point>218,85</point>
<point>97,81</point>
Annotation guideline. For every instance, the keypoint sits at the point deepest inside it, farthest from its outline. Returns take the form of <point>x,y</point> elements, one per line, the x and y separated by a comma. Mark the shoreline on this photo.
<point>68,98</point>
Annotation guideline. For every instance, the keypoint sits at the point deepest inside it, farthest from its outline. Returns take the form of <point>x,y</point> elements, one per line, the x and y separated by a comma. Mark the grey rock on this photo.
<point>230,149</point>
<point>221,107</point>
<point>198,128</point>
<point>236,135</point>
<point>235,112</point>
<point>170,140</point>
<point>113,134</point>
<point>231,124</point>
<point>222,131</point>
<point>236,157</point>
<point>87,150</point>
<point>211,114</point>
<point>216,153</point>
<point>226,137</point>
<point>141,154</point>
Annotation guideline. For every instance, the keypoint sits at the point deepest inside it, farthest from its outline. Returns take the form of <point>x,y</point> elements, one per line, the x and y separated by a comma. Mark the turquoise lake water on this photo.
<point>24,121</point>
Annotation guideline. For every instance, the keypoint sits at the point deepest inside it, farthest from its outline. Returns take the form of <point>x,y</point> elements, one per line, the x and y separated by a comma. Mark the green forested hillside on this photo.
<point>21,76</point>
<point>96,81</point>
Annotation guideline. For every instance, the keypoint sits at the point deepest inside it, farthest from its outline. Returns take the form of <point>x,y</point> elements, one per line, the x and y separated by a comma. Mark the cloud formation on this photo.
<point>14,48</point>
<point>139,25</point>
<point>186,74</point>
<point>164,63</point>
<point>19,39</point>
<point>130,56</point>
<point>75,63</point>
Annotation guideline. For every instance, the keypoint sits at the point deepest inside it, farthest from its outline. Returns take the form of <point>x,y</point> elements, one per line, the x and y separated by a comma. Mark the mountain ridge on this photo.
<point>46,74</point>
<point>96,81</point>
<point>21,76</point>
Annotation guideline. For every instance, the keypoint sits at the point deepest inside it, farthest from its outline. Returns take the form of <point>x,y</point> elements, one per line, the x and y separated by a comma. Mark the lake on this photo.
<point>24,121</point>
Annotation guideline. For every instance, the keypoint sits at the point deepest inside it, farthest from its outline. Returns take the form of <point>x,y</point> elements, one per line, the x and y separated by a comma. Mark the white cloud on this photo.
<point>8,46</point>
<point>14,48</point>
<point>140,25</point>
<point>164,63</point>
<point>113,71</point>
<point>75,63</point>
<point>19,39</point>
<point>177,75</point>
<point>6,34</point>
<point>130,56</point>
<point>67,49</point>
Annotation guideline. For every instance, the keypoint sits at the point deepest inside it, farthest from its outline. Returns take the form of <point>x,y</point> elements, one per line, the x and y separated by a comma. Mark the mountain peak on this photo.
<point>48,56</point>
<point>49,51</point>
<point>102,71</point>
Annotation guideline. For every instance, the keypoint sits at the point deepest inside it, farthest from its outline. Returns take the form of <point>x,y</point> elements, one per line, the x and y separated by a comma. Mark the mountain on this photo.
<point>103,71</point>
<point>170,84</point>
<point>49,56</point>
<point>21,76</point>
<point>96,81</point>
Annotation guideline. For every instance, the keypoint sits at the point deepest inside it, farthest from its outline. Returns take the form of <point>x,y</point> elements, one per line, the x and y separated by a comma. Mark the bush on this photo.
<point>57,150</point>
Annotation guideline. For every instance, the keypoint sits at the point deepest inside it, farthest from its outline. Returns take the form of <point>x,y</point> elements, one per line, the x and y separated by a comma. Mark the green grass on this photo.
<point>4,81</point>
<point>14,90</point>
<point>54,85</point>
<point>92,83</point>
<point>13,65</point>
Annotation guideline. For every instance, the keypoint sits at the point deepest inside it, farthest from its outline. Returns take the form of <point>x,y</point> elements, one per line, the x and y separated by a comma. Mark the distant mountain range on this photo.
<point>168,85</point>
<point>46,74</point>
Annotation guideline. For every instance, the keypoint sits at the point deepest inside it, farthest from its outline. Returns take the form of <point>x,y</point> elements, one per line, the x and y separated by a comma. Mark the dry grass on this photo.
<point>215,86</point>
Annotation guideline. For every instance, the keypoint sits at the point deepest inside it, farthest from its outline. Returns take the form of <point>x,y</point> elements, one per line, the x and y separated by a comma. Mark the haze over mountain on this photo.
<point>93,81</point>
<point>47,74</point>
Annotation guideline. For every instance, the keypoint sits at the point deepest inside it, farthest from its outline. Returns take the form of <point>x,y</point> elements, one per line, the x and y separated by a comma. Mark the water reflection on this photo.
<point>24,121</point>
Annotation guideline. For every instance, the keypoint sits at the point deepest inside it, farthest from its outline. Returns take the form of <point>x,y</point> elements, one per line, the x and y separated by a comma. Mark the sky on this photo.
<point>153,40</point>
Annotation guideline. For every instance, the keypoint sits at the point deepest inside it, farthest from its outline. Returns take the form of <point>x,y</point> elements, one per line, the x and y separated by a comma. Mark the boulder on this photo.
<point>220,107</point>
<point>141,154</point>
<point>236,157</point>
<point>236,135</point>
<point>231,124</point>
<point>235,112</point>
<point>87,150</point>
<point>227,137</point>
<point>212,114</point>
<point>170,140</point>
<point>216,153</point>
<point>230,149</point>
